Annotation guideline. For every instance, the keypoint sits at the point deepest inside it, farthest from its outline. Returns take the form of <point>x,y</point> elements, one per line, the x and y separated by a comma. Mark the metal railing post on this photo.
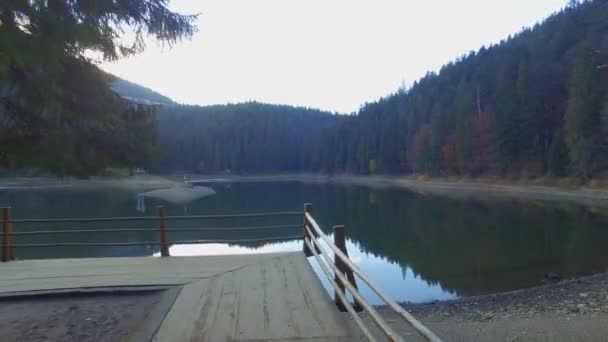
<point>6,235</point>
<point>162,233</point>
<point>307,209</point>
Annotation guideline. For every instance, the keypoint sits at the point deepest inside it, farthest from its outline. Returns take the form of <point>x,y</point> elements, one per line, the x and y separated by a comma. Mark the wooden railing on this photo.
<point>162,228</point>
<point>343,279</point>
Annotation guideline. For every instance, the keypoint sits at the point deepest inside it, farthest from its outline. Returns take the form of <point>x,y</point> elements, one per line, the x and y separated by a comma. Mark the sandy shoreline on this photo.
<point>180,194</point>
<point>454,188</point>
<point>147,182</point>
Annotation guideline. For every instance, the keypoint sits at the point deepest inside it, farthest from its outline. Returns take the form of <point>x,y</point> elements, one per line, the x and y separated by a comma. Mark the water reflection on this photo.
<point>418,247</point>
<point>400,283</point>
<point>140,204</point>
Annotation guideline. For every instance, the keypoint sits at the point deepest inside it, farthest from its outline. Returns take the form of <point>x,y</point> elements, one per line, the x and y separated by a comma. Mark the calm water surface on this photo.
<point>417,247</point>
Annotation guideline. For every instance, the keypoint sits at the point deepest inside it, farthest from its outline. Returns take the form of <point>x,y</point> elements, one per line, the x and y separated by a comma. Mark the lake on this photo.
<point>417,247</point>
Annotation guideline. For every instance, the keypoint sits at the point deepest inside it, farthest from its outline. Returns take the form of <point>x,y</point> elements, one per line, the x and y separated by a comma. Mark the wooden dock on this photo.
<point>268,297</point>
<point>263,297</point>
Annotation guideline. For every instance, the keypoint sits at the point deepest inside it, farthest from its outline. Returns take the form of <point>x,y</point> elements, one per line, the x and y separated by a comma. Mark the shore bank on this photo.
<point>450,187</point>
<point>570,310</point>
<point>180,194</point>
<point>456,187</point>
<point>143,182</point>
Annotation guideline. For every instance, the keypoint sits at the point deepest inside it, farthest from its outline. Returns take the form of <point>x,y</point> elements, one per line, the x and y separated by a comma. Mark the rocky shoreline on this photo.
<point>569,310</point>
<point>584,295</point>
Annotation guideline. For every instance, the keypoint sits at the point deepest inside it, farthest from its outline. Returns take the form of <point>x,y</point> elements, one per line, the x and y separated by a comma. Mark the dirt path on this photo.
<point>572,310</point>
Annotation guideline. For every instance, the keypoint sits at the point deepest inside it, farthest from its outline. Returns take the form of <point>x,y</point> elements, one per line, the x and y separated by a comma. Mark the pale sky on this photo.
<point>328,54</point>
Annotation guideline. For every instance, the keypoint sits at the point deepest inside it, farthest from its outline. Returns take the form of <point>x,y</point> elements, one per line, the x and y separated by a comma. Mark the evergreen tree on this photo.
<point>57,111</point>
<point>583,113</point>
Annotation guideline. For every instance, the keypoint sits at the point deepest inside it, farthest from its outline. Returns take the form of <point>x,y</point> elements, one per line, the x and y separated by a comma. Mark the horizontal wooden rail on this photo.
<point>162,229</point>
<point>155,218</point>
<point>78,231</point>
<point>340,294</point>
<point>382,325</point>
<point>152,243</point>
<point>131,230</point>
<point>84,244</point>
<point>423,330</point>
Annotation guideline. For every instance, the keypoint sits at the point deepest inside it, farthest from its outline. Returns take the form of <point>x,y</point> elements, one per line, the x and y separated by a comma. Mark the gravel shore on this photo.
<point>570,310</point>
<point>585,295</point>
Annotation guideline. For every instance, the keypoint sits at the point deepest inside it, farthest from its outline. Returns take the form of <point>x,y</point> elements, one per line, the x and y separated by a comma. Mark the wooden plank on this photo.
<point>204,311</point>
<point>253,317</point>
<point>219,322</point>
<point>284,300</point>
<point>183,270</point>
<point>79,283</point>
<point>178,325</point>
<point>224,298</point>
<point>319,310</point>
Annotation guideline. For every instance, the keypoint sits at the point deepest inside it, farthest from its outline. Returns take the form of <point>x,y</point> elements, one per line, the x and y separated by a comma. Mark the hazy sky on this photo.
<point>328,54</point>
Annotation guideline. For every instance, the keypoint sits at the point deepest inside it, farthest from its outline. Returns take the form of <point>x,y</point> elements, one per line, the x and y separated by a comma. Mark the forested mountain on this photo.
<point>534,104</point>
<point>136,93</point>
<point>246,137</point>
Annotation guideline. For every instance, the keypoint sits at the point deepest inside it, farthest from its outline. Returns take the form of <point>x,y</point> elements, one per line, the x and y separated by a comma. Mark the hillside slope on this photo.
<point>244,138</point>
<point>137,93</point>
<point>534,104</point>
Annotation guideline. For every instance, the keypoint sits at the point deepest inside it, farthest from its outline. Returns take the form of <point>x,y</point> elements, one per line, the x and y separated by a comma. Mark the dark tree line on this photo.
<point>242,138</point>
<point>57,111</point>
<point>534,104</point>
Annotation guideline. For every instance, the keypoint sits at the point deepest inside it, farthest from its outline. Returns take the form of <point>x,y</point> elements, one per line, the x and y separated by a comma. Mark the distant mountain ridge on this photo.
<point>242,137</point>
<point>137,93</point>
<point>248,137</point>
<point>534,104</point>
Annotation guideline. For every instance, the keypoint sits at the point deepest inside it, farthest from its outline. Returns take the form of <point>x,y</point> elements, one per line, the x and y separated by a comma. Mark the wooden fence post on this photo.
<point>340,242</point>
<point>6,235</point>
<point>162,233</point>
<point>307,209</point>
